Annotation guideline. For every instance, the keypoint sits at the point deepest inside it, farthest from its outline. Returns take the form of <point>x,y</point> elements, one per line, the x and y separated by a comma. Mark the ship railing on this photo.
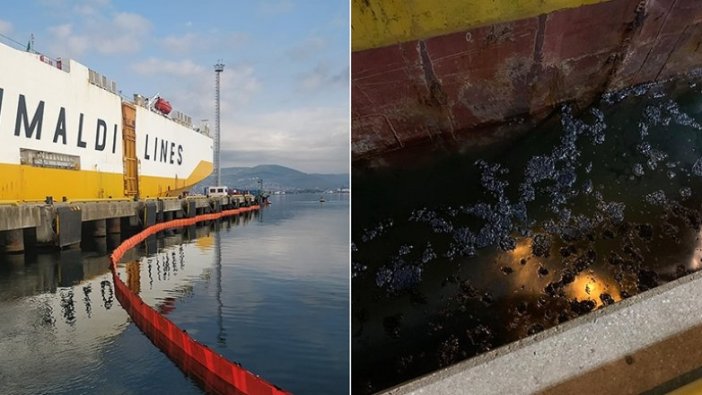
<point>175,116</point>
<point>29,47</point>
<point>203,129</point>
<point>102,81</point>
<point>182,119</point>
<point>58,62</point>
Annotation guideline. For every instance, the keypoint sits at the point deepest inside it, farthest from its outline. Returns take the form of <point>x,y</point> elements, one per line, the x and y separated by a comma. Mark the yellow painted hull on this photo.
<point>378,23</point>
<point>29,183</point>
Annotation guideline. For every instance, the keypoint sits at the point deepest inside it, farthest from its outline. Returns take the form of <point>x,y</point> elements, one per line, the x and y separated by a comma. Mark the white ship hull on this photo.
<point>65,137</point>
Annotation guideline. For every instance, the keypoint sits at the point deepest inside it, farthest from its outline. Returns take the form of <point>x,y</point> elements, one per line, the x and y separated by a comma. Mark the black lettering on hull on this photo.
<point>81,143</point>
<point>30,124</point>
<point>100,135</point>
<point>164,151</point>
<point>61,126</point>
<point>23,119</point>
<point>114,140</point>
<point>146,148</point>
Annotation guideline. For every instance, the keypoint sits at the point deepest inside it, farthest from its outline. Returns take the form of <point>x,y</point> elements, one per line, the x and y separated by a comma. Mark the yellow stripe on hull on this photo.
<point>376,23</point>
<point>21,182</point>
<point>158,186</point>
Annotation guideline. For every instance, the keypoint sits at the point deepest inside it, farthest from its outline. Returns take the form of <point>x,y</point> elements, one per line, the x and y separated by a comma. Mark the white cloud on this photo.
<point>310,47</point>
<point>90,8</point>
<point>181,68</point>
<point>5,27</point>
<point>322,76</point>
<point>124,34</point>
<point>70,44</point>
<point>271,7</point>
<point>310,139</point>
<point>84,8</point>
<point>190,42</point>
<point>340,21</point>
<point>121,33</point>
<point>53,3</point>
<point>180,44</point>
<point>194,92</point>
<point>230,41</point>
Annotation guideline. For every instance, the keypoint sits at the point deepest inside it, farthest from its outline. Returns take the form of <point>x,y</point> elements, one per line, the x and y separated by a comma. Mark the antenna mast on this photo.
<point>219,67</point>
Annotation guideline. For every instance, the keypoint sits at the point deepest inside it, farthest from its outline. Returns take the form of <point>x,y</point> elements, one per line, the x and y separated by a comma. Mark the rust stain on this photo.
<point>436,92</point>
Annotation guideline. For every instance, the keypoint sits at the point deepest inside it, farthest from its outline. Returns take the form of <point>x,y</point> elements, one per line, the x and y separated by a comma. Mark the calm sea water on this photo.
<point>457,252</point>
<point>268,290</point>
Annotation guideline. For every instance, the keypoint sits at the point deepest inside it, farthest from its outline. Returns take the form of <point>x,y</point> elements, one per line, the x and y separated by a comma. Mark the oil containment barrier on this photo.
<point>212,370</point>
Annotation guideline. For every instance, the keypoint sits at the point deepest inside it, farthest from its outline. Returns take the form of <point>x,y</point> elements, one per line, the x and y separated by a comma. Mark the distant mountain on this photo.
<point>340,180</point>
<point>277,178</point>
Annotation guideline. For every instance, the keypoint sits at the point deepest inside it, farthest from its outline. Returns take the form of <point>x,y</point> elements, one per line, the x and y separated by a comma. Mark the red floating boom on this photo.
<point>216,373</point>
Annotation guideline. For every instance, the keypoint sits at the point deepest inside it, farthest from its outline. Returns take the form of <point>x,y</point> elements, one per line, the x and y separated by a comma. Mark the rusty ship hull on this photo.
<point>422,73</point>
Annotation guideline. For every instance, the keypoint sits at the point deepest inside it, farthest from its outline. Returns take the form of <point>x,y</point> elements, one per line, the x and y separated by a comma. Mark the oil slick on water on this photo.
<point>483,247</point>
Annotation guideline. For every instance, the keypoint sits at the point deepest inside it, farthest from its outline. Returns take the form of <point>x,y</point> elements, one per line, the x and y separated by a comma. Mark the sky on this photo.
<point>285,95</point>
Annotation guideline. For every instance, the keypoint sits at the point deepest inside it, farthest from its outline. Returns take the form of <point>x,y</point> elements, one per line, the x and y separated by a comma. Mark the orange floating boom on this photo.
<point>216,373</point>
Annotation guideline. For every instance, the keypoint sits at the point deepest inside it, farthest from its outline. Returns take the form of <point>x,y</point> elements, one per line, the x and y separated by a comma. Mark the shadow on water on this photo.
<point>478,248</point>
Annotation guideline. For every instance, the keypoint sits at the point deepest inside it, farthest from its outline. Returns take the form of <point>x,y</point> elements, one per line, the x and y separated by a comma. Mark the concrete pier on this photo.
<point>114,226</point>
<point>97,228</point>
<point>14,241</point>
<point>63,224</point>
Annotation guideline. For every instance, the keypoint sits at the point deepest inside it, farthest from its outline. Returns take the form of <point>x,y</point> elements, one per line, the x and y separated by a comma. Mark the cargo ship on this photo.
<point>66,133</point>
<point>465,70</point>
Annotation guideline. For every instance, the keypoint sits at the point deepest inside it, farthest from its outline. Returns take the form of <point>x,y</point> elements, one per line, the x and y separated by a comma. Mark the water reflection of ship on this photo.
<point>64,301</point>
<point>62,304</point>
<point>34,273</point>
<point>164,264</point>
<point>74,272</point>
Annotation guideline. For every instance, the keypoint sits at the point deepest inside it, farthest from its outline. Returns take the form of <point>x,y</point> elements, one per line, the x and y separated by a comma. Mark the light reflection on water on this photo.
<point>277,302</point>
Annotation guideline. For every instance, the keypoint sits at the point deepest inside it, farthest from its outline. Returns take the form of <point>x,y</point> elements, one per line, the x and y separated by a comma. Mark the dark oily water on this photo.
<point>470,251</point>
<point>268,290</point>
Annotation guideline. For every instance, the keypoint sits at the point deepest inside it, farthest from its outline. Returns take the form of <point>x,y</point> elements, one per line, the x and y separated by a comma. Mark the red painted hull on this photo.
<point>454,85</point>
